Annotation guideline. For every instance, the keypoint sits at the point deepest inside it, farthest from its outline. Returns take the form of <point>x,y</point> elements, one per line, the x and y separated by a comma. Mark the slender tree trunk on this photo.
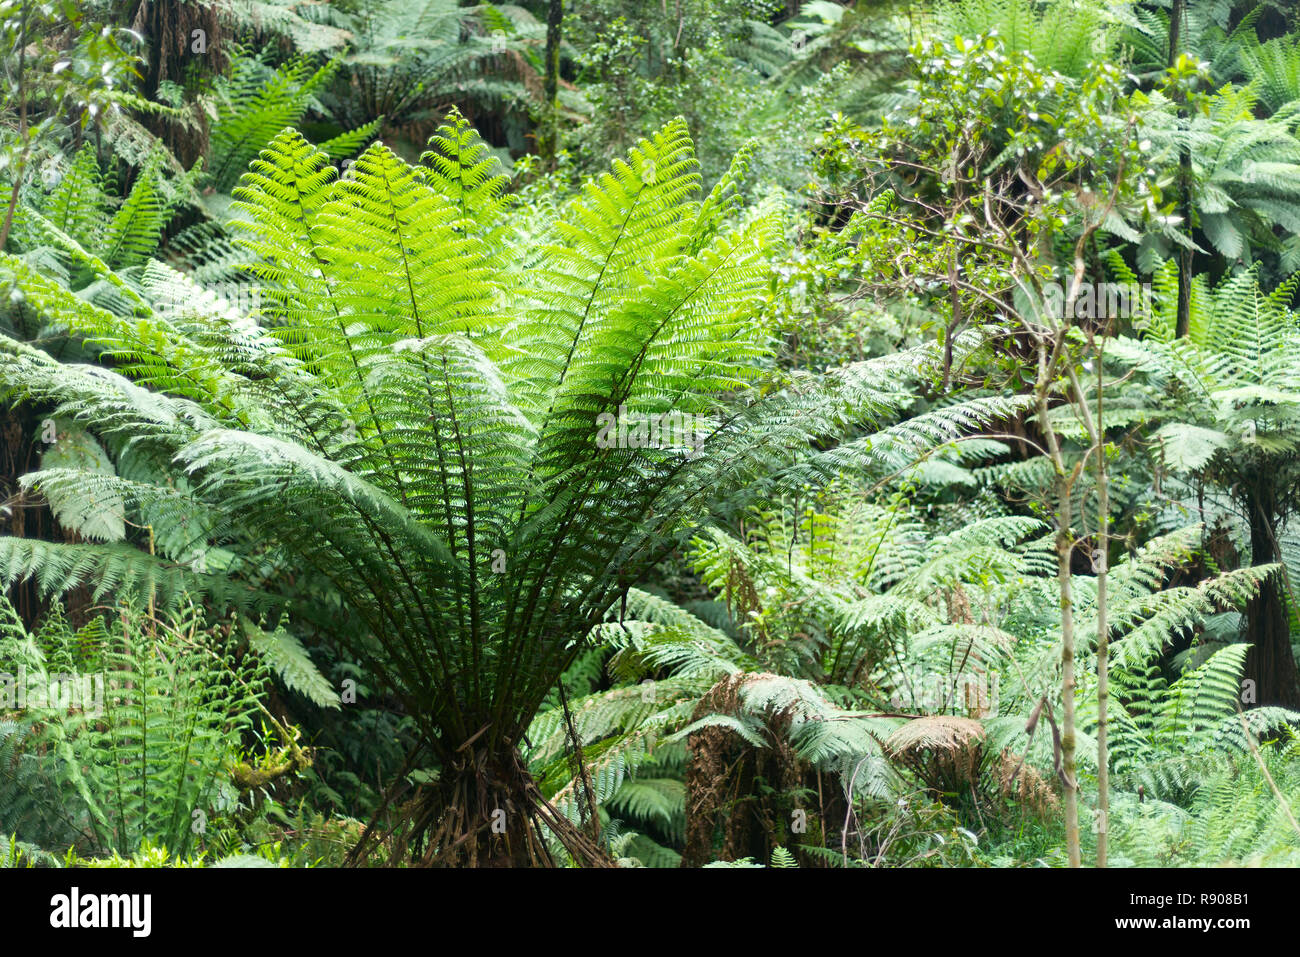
<point>1183,323</point>
<point>1177,22</point>
<point>1271,664</point>
<point>551,89</point>
<point>1064,551</point>
<point>1096,432</point>
<point>20,168</point>
<point>1103,627</point>
<point>1177,16</point>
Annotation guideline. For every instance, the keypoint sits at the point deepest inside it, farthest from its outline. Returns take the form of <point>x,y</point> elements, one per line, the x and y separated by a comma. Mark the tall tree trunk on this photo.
<point>1183,323</point>
<point>1271,664</point>
<point>1177,17</point>
<point>1177,24</point>
<point>1064,550</point>
<point>551,89</point>
<point>1103,623</point>
<point>20,168</point>
<point>1048,363</point>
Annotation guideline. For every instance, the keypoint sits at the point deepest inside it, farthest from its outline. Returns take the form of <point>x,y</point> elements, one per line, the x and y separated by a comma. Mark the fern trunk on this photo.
<point>738,797</point>
<point>486,811</point>
<point>1271,662</point>
<point>172,30</point>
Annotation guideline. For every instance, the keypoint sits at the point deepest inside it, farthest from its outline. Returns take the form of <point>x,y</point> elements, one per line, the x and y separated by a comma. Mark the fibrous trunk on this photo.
<point>1271,663</point>
<point>485,810</point>
<point>738,797</point>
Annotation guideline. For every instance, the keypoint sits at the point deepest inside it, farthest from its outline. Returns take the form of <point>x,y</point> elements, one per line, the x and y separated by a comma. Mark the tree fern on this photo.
<point>378,433</point>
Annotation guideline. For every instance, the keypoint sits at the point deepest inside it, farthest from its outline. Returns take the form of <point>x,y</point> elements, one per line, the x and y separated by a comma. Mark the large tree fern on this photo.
<point>413,423</point>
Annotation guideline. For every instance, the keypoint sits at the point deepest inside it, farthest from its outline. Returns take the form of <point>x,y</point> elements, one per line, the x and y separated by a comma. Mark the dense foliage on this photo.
<point>720,433</point>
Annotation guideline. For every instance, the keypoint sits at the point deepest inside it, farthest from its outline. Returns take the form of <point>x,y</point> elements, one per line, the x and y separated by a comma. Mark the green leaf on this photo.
<point>100,517</point>
<point>289,660</point>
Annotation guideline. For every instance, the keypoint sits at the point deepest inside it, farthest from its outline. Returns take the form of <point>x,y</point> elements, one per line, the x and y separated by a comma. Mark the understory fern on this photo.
<point>123,734</point>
